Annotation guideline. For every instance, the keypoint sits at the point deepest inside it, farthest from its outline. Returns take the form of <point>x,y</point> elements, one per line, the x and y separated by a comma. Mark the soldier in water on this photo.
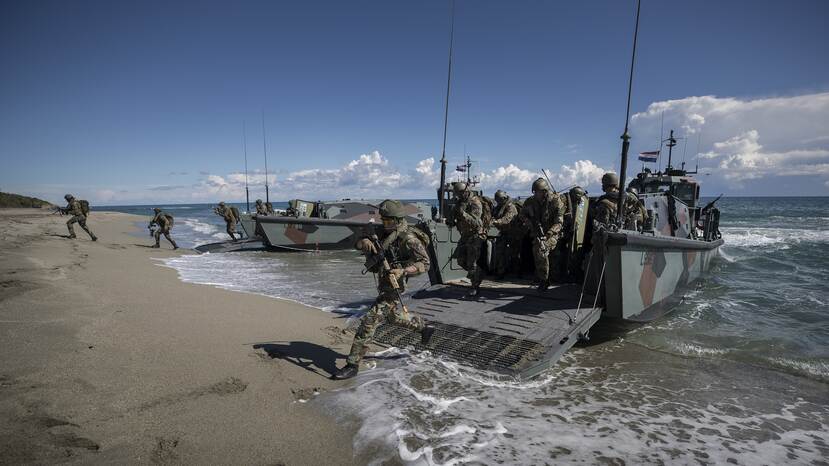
<point>164,221</point>
<point>543,215</point>
<point>410,258</point>
<point>507,244</point>
<point>604,210</point>
<point>230,219</point>
<point>75,209</point>
<point>467,216</point>
<point>261,209</point>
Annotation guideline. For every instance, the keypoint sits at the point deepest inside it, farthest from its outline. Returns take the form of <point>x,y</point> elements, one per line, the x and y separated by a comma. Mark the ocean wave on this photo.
<point>199,226</point>
<point>814,369</point>
<point>777,238</point>
<point>426,413</point>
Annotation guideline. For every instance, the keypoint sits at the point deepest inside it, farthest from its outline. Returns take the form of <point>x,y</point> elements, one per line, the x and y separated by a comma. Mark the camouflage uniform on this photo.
<point>508,243</point>
<point>230,220</point>
<point>466,216</point>
<point>543,217</point>
<point>165,224</point>
<point>261,209</point>
<point>73,208</point>
<point>634,212</point>
<point>410,252</point>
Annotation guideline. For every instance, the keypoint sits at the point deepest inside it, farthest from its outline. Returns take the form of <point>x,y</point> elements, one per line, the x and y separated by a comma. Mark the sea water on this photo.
<point>738,373</point>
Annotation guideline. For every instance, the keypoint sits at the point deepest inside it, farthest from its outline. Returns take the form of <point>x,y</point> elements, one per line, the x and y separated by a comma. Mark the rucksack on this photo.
<point>235,213</point>
<point>486,216</point>
<point>169,219</point>
<point>420,234</point>
<point>84,206</point>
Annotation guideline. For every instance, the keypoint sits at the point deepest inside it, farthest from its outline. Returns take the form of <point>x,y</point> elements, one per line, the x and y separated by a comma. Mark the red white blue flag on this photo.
<point>649,156</point>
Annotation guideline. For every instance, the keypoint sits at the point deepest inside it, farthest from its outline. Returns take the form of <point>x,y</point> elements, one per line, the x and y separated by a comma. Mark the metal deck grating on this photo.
<point>483,350</point>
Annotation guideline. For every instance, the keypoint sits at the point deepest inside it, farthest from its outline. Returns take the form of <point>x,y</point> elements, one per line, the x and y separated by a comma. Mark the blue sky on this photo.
<point>125,102</point>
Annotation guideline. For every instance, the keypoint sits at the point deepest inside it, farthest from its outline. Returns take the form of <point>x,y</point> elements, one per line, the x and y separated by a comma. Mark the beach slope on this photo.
<point>109,358</point>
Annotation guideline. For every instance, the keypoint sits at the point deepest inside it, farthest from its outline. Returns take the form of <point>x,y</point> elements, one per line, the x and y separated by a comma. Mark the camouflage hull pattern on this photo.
<point>344,223</point>
<point>646,276</point>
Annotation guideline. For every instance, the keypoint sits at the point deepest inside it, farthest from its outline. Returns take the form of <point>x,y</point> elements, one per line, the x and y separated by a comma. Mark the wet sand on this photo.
<point>109,358</point>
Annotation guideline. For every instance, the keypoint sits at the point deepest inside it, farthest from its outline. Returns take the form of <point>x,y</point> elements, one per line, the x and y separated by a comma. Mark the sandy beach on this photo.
<point>109,358</point>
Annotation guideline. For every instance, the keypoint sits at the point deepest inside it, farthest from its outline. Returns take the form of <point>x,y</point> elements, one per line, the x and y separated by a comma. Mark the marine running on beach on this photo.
<point>164,222</point>
<point>231,218</point>
<point>401,253</point>
<point>79,211</point>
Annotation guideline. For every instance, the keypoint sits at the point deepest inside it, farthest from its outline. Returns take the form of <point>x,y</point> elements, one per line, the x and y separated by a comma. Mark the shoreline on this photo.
<point>111,358</point>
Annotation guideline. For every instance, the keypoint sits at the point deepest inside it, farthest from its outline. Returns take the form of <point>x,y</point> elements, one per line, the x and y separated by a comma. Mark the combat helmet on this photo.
<point>633,190</point>
<point>501,196</point>
<point>157,209</point>
<point>577,191</point>
<point>391,208</point>
<point>259,201</point>
<point>541,185</point>
<point>459,187</point>
<point>610,179</point>
<point>221,204</point>
<point>69,197</point>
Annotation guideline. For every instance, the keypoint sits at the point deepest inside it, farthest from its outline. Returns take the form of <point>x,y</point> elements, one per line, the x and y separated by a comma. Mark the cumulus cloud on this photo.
<point>745,139</point>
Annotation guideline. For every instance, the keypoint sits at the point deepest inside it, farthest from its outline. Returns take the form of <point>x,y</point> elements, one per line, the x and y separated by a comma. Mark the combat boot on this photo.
<point>426,334</point>
<point>156,245</point>
<point>347,372</point>
<point>175,246</point>
<point>94,238</point>
<point>72,236</point>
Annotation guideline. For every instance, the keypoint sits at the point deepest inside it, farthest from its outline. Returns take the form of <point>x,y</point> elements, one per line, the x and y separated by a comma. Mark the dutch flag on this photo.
<point>649,156</point>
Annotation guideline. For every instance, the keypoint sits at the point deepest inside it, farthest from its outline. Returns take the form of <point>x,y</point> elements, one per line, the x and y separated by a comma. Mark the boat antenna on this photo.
<point>661,140</point>
<point>684,151</point>
<point>265,149</point>
<point>544,172</point>
<point>245,145</point>
<point>442,186</point>
<point>671,144</point>
<point>625,135</point>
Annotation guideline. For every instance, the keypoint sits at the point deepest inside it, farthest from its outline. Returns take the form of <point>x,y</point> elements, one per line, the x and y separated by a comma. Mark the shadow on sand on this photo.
<point>309,356</point>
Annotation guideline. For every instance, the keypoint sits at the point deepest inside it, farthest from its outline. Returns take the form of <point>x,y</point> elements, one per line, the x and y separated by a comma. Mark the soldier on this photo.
<point>165,224</point>
<point>404,247</point>
<point>507,245</point>
<point>73,208</point>
<point>543,214</point>
<point>261,209</point>
<point>634,210</point>
<point>467,216</point>
<point>269,208</point>
<point>230,220</point>
<point>604,212</point>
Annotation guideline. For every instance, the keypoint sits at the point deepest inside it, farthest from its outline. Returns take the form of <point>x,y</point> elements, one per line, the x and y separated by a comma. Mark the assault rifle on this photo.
<point>58,210</point>
<point>378,263</point>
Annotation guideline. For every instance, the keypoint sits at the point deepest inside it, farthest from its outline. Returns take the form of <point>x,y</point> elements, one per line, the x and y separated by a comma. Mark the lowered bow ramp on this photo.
<point>510,329</point>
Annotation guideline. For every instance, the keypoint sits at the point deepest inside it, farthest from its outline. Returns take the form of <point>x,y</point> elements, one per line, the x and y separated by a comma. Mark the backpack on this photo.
<point>84,206</point>
<point>417,231</point>
<point>235,213</point>
<point>169,219</point>
<point>488,207</point>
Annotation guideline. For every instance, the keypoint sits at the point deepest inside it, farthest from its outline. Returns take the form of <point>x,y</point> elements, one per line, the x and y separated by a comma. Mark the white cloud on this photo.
<point>744,139</point>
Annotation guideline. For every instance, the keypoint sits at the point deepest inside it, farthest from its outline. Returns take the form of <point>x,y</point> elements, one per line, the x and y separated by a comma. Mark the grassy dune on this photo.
<point>9,200</point>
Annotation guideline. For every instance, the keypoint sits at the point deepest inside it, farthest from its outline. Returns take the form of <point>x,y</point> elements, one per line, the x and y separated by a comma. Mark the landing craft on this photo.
<point>615,274</point>
<point>306,225</point>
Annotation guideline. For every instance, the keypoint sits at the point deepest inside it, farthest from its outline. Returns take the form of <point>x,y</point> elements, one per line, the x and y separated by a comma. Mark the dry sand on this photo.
<point>108,358</point>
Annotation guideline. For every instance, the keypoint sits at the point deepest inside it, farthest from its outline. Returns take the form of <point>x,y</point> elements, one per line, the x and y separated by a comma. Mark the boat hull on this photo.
<point>646,276</point>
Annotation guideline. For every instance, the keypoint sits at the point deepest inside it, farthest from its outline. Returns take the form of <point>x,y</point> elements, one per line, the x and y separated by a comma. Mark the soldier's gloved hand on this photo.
<point>540,243</point>
<point>366,246</point>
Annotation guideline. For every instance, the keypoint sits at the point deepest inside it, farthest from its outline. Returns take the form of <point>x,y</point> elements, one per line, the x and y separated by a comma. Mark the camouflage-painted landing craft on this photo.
<point>613,275</point>
<point>313,226</point>
<point>630,275</point>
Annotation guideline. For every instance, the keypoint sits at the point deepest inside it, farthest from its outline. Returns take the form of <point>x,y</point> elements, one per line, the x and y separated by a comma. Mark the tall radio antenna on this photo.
<point>442,187</point>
